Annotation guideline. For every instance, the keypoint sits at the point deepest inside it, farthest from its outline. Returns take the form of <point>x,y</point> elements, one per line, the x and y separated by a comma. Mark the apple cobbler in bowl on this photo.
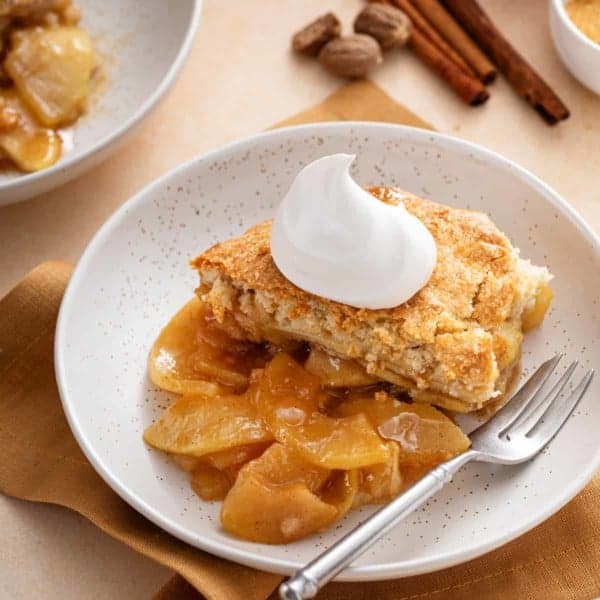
<point>76,80</point>
<point>294,409</point>
<point>231,378</point>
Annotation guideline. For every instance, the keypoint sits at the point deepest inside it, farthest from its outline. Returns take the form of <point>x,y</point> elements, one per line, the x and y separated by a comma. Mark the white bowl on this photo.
<point>143,46</point>
<point>134,275</point>
<point>579,54</point>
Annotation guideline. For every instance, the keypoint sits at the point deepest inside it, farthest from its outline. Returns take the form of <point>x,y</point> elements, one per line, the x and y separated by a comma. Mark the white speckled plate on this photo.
<point>135,275</point>
<point>142,47</point>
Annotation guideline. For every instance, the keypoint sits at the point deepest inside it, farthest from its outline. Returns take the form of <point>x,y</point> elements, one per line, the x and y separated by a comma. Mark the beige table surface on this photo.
<point>239,79</point>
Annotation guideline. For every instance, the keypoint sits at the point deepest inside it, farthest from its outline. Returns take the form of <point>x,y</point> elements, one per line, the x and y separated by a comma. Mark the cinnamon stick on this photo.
<point>420,23</point>
<point>463,82</point>
<point>519,73</point>
<point>468,87</point>
<point>439,17</point>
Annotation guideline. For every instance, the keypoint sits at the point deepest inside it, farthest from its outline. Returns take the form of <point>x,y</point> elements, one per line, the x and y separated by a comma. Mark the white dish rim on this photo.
<point>361,573</point>
<point>75,161</point>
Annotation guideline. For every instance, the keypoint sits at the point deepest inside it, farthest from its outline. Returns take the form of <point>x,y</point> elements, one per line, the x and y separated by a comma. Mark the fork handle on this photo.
<point>306,582</point>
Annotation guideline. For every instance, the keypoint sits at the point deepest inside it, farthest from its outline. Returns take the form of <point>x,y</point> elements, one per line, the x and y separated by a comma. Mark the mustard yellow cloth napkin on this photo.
<point>41,462</point>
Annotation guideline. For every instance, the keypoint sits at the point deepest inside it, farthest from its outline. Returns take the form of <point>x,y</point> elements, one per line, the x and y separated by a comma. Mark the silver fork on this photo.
<point>515,434</point>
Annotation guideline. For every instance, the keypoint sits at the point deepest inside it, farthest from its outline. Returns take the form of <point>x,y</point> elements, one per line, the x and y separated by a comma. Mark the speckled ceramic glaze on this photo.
<point>135,275</point>
<point>142,46</point>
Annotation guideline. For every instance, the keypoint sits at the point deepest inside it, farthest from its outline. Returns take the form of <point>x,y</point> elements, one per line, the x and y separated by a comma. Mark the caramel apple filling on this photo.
<point>47,63</point>
<point>289,440</point>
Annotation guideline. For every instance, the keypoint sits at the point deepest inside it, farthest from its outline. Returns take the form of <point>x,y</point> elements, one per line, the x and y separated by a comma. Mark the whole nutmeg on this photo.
<point>315,35</point>
<point>387,24</point>
<point>351,56</point>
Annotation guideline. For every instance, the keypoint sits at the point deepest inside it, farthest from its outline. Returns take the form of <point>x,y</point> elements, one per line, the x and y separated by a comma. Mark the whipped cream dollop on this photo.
<point>332,238</point>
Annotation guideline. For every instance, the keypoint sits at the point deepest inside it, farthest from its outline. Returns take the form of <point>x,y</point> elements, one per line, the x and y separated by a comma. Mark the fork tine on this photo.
<point>558,413</point>
<point>519,402</point>
<point>537,408</point>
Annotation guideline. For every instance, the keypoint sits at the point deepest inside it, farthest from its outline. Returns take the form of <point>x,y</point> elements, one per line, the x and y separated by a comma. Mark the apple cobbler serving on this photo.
<point>47,63</point>
<point>295,408</point>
